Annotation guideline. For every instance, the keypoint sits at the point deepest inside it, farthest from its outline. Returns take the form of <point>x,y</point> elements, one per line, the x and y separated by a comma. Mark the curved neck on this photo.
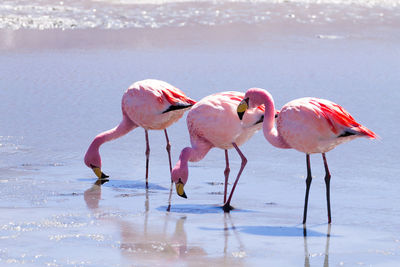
<point>271,133</point>
<point>184,157</point>
<point>123,128</point>
<point>195,153</point>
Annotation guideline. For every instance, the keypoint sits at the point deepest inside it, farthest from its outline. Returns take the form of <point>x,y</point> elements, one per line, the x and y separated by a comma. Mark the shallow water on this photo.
<point>57,96</point>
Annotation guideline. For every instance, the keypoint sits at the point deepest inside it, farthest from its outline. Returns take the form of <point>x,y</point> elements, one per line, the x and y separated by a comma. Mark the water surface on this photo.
<point>56,98</point>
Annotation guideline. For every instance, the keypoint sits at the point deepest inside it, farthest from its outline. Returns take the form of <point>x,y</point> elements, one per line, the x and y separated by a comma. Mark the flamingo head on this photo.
<point>93,161</point>
<point>254,97</point>
<point>179,175</point>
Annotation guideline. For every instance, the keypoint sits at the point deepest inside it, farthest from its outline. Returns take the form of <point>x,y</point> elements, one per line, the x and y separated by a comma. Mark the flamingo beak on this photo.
<point>243,106</point>
<point>99,173</point>
<point>179,189</point>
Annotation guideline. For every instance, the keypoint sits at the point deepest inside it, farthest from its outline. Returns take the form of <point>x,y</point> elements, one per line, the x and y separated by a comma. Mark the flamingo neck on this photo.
<point>184,157</point>
<point>181,171</point>
<point>109,135</point>
<point>192,154</point>
<point>105,137</point>
<point>270,131</point>
<point>93,151</point>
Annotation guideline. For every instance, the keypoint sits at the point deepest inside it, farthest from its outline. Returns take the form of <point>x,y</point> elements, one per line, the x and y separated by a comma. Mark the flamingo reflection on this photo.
<point>147,243</point>
<point>306,252</point>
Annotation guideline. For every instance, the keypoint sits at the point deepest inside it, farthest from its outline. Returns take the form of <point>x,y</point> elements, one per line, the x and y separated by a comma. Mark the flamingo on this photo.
<point>150,104</point>
<point>309,125</point>
<point>212,122</point>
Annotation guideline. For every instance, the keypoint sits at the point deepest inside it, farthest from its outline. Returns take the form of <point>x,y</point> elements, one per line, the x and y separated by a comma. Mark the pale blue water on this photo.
<point>55,99</point>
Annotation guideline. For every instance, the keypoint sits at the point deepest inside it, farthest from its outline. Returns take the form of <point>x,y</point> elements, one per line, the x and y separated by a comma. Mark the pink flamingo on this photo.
<point>212,122</point>
<point>150,104</point>
<point>309,125</point>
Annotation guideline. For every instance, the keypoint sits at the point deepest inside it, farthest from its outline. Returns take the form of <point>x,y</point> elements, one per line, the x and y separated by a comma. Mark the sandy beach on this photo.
<point>61,86</point>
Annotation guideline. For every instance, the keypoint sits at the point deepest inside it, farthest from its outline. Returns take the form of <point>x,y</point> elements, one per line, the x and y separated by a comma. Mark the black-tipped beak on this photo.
<point>240,114</point>
<point>242,107</point>
<point>183,195</point>
<point>179,189</point>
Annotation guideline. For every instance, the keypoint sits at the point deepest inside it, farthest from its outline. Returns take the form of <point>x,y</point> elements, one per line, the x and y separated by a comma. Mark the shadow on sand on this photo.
<point>135,184</point>
<point>278,231</point>
<point>198,209</point>
<point>272,231</point>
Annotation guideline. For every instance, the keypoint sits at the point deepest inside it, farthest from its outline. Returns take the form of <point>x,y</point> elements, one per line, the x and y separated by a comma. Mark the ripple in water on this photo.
<point>10,144</point>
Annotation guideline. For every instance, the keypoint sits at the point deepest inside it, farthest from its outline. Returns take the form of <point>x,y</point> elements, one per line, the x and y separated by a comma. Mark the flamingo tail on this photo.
<point>364,131</point>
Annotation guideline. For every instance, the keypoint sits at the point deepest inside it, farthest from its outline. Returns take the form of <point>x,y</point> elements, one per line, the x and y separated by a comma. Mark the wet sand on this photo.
<point>60,88</point>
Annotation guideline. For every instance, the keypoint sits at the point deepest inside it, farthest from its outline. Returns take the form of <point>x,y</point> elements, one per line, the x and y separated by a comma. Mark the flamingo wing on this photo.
<point>177,99</point>
<point>176,96</point>
<point>339,120</point>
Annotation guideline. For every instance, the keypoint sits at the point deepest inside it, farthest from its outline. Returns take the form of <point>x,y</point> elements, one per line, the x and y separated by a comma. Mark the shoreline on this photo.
<point>144,38</point>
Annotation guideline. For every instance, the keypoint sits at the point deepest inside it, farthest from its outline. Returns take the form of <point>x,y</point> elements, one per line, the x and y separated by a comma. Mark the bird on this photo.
<point>212,122</point>
<point>150,104</point>
<point>309,125</point>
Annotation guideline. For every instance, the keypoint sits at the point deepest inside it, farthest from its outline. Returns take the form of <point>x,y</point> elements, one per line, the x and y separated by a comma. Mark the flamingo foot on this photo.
<point>227,207</point>
<point>169,208</point>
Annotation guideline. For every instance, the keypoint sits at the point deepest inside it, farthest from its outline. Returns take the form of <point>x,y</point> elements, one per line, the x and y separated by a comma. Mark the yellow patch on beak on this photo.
<point>97,171</point>
<point>241,109</point>
<point>179,189</point>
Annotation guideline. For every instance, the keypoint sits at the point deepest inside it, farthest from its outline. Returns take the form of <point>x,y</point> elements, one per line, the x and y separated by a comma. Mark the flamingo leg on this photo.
<point>226,173</point>
<point>308,184</point>
<point>168,147</point>
<point>327,183</point>
<point>147,157</point>
<point>227,207</point>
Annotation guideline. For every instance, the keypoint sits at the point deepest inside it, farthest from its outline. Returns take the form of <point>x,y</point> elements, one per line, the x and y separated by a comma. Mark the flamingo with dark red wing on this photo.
<point>309,125</point>
<point>150,104</point>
